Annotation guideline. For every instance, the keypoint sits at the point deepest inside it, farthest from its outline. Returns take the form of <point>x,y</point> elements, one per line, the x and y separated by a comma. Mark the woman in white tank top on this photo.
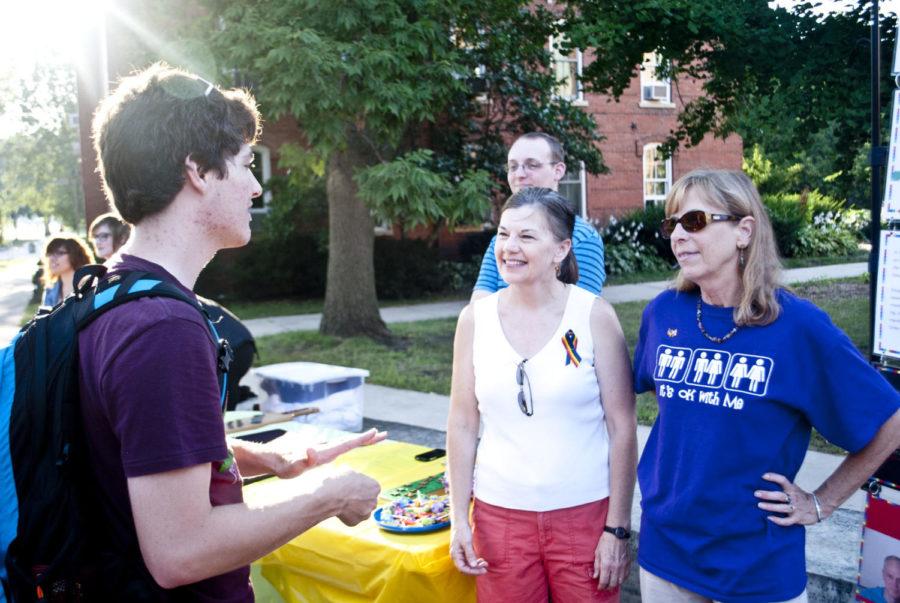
<point>543,367</point>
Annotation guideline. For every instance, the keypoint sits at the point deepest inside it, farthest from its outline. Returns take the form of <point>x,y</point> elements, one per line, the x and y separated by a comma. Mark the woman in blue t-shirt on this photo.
<point>742,370</point>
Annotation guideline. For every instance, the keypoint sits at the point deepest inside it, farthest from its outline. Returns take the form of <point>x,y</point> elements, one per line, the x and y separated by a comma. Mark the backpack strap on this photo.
<point>102,293</point>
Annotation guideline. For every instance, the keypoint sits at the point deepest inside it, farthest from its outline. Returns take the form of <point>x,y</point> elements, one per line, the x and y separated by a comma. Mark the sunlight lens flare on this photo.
<point>45,30</point>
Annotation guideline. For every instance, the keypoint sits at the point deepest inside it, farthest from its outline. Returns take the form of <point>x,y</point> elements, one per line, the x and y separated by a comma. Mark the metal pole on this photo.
<point>877,158</point>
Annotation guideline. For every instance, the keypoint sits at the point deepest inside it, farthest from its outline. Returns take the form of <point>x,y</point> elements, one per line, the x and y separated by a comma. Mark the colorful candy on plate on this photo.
<point>419,513</point>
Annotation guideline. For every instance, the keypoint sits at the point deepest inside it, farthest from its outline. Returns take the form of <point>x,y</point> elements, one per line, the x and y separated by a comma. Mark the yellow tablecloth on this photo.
<point>335,563</point>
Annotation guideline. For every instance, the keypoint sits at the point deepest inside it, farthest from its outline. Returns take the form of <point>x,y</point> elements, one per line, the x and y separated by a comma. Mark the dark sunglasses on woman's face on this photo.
<point>693,221</point>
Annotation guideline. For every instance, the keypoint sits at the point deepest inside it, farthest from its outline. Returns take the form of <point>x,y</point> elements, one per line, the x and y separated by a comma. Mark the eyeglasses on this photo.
<point>209,86</point>
<point>103,236</point>
<point>57,253</point>
<point>693,221</point>
<point>529,165</point>
<point>526,403</point>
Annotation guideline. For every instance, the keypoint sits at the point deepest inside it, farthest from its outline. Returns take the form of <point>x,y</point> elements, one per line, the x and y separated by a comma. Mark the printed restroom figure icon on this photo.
<point>749,374</point>
<point>738,372</point>
<point>677,364</point>
<point>756,374</point>
<point>714,369</point>
<point>672,363</point>
<point>708,368</point>
<point>700,365</point>
<point>663,361</point>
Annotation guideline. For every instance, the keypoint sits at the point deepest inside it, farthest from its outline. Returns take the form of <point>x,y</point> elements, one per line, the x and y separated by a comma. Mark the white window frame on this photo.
<point>652,84</point>
<point>578,60</point>
<point>654,199</point>
<point>582,187</point>
<point>265,165</point>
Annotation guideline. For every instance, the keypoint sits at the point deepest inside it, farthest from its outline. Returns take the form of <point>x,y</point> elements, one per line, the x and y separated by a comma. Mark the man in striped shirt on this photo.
<point>538,159</point>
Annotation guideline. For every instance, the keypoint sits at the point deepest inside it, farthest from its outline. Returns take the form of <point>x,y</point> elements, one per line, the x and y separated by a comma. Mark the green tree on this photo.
<point>388,93</point>
<point>796,83</point>
<point>39,169</point>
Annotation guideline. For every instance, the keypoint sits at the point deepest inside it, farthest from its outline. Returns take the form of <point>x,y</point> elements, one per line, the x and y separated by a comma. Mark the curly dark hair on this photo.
<point>79,254</point>
<point>157,118</point>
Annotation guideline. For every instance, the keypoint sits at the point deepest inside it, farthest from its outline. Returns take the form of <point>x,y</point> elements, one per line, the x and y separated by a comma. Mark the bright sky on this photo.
<point>33,31</point>
<point>828,6</point>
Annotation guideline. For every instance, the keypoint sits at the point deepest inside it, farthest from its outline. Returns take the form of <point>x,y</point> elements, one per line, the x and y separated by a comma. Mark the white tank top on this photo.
<point>558,457</point>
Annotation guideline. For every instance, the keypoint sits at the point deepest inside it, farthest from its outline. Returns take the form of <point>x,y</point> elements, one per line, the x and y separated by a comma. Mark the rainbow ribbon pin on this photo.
<point>570,342</point>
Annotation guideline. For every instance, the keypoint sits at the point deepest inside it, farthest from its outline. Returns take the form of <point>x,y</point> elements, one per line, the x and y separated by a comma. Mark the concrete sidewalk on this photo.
<point>15,293</point>
<point>260,327</point>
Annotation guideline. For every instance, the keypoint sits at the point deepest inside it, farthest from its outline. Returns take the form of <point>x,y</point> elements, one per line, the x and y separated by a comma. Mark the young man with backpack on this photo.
<point>175,156</point>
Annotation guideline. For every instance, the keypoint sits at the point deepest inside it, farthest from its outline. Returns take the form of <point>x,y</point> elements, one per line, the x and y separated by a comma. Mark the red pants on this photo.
<point>531,554</point>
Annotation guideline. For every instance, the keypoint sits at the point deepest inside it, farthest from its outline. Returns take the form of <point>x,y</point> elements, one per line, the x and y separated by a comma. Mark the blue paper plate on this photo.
<point>407,530</point>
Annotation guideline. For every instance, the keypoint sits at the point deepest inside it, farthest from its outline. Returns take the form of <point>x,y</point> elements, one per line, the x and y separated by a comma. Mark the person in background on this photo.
<point>63,255</point>
<point>543,366</point>
<point>538,159</point>
<point>175,157</point>
<point>108,233</point>
<point>743,370</point>
<point>890,592</point>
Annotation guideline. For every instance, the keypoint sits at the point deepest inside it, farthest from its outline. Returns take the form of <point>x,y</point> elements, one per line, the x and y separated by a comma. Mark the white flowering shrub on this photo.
<point>814,225</point>
<point>633,244</point>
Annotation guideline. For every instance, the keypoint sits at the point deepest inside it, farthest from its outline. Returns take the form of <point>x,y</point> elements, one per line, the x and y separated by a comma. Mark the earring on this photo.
<point>557,270</point>
<point>741,261</point>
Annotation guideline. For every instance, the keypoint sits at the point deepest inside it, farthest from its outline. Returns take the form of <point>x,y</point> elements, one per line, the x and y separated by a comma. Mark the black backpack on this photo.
<point>243,348</point>
<point>53,543</point>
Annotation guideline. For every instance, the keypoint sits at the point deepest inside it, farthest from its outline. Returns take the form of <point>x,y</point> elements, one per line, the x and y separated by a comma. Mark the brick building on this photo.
<point>634,127</point>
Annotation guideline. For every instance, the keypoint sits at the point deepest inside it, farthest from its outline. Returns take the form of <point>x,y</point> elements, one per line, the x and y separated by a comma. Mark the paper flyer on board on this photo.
<point>890,209</point>
<point>887,297</point>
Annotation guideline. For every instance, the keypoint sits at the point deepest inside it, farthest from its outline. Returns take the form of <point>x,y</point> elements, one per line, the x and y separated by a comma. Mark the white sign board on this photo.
<point>890,209</point>
<point>895,68</point>
<point>887,297</point>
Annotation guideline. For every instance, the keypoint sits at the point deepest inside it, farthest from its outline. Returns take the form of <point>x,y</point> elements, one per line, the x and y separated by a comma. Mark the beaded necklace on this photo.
<point>712,338</point>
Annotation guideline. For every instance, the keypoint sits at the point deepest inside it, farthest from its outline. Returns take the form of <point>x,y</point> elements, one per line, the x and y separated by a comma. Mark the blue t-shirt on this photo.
<point>53,294</point>
<point>587,247</point>
<point>728,413</point>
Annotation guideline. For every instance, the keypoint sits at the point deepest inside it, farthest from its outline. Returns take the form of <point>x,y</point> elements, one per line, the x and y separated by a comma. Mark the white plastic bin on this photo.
<point>335,390</point>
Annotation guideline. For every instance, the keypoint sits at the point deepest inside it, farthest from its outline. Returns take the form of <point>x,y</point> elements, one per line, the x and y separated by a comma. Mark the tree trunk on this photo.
<point>351,304</point>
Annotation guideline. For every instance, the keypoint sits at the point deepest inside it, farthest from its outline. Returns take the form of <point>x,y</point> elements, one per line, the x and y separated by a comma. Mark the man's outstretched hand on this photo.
<point>298,456</point>
<point>293,453</point>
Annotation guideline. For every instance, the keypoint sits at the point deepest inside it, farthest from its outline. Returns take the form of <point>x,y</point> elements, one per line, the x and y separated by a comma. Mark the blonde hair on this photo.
<point>735,194</point>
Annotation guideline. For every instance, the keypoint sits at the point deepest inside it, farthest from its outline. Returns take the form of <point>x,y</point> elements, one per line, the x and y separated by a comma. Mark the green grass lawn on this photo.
<point>28,314</point>
<point>287,307</point>
<point>860,256</point>
<point>421,356</point>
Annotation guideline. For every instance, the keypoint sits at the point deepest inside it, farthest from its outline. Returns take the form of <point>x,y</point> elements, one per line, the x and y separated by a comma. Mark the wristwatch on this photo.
<point>620,533</point>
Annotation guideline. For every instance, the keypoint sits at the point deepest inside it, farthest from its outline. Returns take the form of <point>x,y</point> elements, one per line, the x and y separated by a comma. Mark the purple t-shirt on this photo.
<point>150,404</point>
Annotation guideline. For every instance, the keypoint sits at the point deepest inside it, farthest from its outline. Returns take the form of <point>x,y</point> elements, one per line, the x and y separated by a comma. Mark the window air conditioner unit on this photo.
<point>656,93</point>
